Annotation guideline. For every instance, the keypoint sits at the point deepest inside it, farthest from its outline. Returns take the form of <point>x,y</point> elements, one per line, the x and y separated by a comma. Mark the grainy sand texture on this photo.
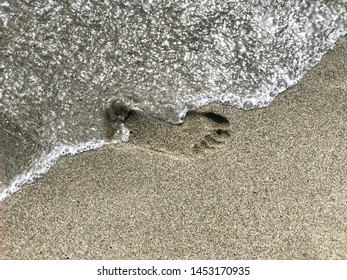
<point>2,213</point>
<point>226,184</point>
<point>2,231</point>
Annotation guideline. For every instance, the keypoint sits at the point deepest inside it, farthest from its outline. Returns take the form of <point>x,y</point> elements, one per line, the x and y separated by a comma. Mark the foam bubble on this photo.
<point>247,105</point>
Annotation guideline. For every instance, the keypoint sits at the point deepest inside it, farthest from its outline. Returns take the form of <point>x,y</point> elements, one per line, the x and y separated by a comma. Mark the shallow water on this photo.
<point>63,60</point>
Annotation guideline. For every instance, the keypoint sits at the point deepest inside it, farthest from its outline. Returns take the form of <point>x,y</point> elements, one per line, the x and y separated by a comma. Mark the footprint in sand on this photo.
<point>216,134</point>
<point>199,133</point>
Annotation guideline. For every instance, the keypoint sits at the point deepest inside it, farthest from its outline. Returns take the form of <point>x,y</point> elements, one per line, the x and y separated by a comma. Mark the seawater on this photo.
<point>61,61</point>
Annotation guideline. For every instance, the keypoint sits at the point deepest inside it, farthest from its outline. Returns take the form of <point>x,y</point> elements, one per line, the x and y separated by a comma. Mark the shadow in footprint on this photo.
<point>216,117</point>
<point>216,134</point>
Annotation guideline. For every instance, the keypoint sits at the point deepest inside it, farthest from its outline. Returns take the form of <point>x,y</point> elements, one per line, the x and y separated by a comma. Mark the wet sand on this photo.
<point>2,231</point>
<point>227,184</point>
<point>2,211</point>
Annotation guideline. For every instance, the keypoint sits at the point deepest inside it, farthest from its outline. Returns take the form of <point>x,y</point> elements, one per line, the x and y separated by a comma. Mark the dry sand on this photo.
<point>270,184</point>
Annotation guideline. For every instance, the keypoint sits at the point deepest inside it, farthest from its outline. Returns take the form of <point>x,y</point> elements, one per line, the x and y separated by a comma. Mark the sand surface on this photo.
<point>2,179</point>
<point>260,184</point>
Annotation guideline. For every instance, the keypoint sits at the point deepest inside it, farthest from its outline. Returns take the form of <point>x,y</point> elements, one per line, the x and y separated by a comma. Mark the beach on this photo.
<point>226,184</point>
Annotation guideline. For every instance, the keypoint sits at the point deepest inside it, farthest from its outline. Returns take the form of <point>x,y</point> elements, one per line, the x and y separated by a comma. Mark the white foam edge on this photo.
<point>239,102</point>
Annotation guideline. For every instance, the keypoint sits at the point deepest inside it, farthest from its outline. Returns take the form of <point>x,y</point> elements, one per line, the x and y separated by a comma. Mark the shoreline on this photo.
<point>226,184</point>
